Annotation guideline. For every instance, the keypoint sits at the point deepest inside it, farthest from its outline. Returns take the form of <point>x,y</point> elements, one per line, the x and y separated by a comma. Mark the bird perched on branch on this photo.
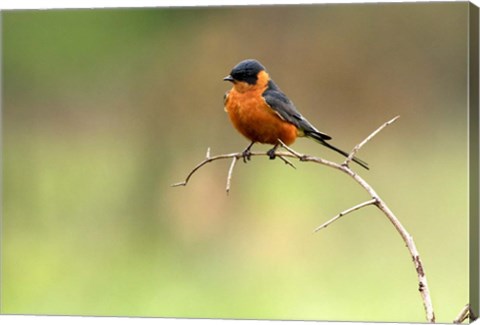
<point>260,111</point>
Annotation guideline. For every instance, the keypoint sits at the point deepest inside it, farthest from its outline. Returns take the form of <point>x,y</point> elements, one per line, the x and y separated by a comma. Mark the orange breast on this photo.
<point>253,118</point>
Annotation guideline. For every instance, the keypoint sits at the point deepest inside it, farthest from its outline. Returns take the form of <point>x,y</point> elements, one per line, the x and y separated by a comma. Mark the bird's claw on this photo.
<point>271,153</point>
<point>246,154</point>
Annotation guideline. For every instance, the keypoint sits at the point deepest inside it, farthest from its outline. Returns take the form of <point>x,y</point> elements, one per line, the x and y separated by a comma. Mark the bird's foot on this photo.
<point>246,154</point>
<point>271,153</point>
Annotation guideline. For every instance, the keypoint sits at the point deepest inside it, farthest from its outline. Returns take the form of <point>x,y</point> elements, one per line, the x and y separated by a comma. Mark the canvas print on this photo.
<point>300,162</point>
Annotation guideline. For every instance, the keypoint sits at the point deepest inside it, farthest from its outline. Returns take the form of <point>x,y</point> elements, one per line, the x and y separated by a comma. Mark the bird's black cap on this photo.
<point>246,71</point>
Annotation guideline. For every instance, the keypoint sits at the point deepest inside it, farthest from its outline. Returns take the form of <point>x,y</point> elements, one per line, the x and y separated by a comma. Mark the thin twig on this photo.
<point>230,172</point>
<point>361,144</point>
<point>463,315</point>
<point>293,152</point>
<point>286,161</point>
<point>343,213</point>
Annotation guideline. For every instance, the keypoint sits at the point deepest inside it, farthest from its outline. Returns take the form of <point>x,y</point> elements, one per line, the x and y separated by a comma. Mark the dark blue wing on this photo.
<point>285,108</point>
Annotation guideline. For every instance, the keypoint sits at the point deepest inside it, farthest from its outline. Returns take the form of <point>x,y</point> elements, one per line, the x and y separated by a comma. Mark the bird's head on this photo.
<point>248,73</point>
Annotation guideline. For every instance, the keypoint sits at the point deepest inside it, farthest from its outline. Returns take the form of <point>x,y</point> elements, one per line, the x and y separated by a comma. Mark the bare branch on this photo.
<point>361,144</point>
<point>204,162</point>
<point>419,268</point>
<point>375,199</point>
<point>236,155</point>
<point>343,213</point>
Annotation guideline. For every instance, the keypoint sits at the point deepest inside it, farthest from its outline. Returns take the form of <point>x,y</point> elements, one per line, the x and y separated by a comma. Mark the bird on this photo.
<point>262,113</point>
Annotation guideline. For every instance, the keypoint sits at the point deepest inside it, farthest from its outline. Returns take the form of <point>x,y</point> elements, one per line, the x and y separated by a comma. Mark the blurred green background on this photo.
<point>104,109</point>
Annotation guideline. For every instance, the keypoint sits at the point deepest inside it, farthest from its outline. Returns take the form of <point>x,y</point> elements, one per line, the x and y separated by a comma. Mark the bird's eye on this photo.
<point>248,76</point>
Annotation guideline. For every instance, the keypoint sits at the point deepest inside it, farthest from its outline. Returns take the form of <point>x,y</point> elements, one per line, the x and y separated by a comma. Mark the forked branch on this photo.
<point>374,199</point>
<point>234,157</point>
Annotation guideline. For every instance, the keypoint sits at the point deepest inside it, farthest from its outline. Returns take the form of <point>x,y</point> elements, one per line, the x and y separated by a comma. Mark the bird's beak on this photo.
<point>229,78</point>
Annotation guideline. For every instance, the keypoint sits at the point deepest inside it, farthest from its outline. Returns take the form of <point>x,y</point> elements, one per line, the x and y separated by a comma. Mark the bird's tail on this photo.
<point>320,138</point>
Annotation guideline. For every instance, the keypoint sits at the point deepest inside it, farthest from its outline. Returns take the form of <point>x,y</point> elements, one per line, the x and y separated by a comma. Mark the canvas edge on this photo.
<point>473,106</point>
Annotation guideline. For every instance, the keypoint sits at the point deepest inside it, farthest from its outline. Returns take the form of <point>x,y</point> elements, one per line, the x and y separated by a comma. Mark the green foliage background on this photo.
<point>104,109</point>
